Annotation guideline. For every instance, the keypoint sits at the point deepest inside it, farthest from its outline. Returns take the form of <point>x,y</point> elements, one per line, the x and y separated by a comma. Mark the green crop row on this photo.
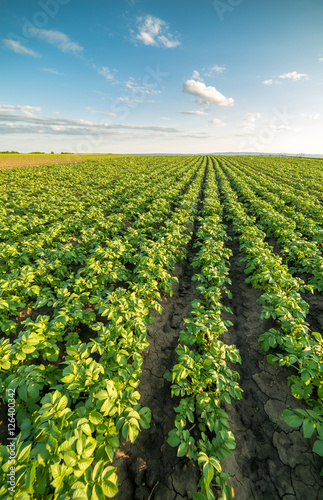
<point>201,375</point>
<point>300,348</point>
<point>70,418</point>
<point>304,255</point>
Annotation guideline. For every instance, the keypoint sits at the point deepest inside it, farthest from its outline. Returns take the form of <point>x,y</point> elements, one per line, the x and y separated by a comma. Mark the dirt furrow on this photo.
<point>149,468</point>
<point>271,460</point>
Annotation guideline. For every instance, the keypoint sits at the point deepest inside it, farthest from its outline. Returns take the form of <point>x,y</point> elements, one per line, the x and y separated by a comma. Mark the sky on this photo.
<point>171,76</point>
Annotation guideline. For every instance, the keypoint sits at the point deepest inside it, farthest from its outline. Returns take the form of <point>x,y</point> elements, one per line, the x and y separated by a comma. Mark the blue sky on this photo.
<point>137,76</point>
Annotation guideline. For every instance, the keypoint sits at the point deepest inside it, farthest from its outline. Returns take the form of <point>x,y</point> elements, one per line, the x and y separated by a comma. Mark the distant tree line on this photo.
<point>32,153</point>
<point>9,152</point>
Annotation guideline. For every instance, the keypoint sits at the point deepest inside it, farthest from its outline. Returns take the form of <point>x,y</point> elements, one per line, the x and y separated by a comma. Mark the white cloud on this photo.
<point>25,110</point>
<point>215,69</point>
<point>58,39</point>
<point>198,113</point>
<point>136,101</point>
<point>196,76</point>
<point>294,76</point>
<point>27,123</point>
<point>138,89</point>
<point>210,94</point>
<point>309,116</point>
<point>104,71</point>
<point>165,118</point>
<point>202,102</point>
<point>154,31</point>
<point>18,48</point>
<point>167,42</point>
<point>52,71</point>
<point>217,122</point>
<point>320,59</point>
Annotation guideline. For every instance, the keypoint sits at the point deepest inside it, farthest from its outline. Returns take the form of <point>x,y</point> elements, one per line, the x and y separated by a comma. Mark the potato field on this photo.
<point>160,322</point>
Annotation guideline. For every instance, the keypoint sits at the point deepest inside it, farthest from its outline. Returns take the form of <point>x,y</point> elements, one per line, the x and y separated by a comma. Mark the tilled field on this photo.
<point>32,160</point>
<point>160,329</point>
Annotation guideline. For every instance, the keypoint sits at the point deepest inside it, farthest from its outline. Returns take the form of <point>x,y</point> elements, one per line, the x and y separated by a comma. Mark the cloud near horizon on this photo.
<point>210,94</point>
<point>20,119</point>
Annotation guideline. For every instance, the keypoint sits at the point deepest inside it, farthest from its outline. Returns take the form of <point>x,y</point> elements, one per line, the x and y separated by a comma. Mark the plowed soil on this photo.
<point>30,160</point>
<point>272,461</point>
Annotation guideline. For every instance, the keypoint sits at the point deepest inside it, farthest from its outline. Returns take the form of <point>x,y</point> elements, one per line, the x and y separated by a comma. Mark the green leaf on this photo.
<point>86,429</point>
<point>317,335</point>
<point>97,492</point>
<point>318,447</point>
<point>62,403</point>
<point>33,391</point>
<point>173,441</point>
<point>97,471</point>
<point>308,427</point>
<point>30,475</point>
<point>199,496</point>
<point>110,482</point>
<point>306,377</point>
<point>182,449</point>
<point>24,453</point>
<point>168,376</point>
<point>70,458</point>
<point>108,472</point>
<point>291,419</point>
<point>22,496</point>
<point>271,359</point>
<point>40,484</point>
<point>208,472</point>
<point>95,417</point>
<point>216,464</point>
<point>80,494</point>
<point>22,393</point>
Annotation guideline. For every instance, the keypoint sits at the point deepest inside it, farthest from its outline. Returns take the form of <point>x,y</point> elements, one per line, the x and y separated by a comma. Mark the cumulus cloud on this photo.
<point>18,48</point>
<point>104,71</point>
<point>215,69</point>
<point>154,31</point>
<point>210,94</point>
<point>196,76</point>
<point>294,76</point>
<point>198,113</point>
<point>217,122</point>
<point>58,39</point>
<point>269,82</point>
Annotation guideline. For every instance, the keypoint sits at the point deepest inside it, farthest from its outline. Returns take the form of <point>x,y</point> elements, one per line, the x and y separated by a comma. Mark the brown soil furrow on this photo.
<point>150,468</point>
<point>271,460</point>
